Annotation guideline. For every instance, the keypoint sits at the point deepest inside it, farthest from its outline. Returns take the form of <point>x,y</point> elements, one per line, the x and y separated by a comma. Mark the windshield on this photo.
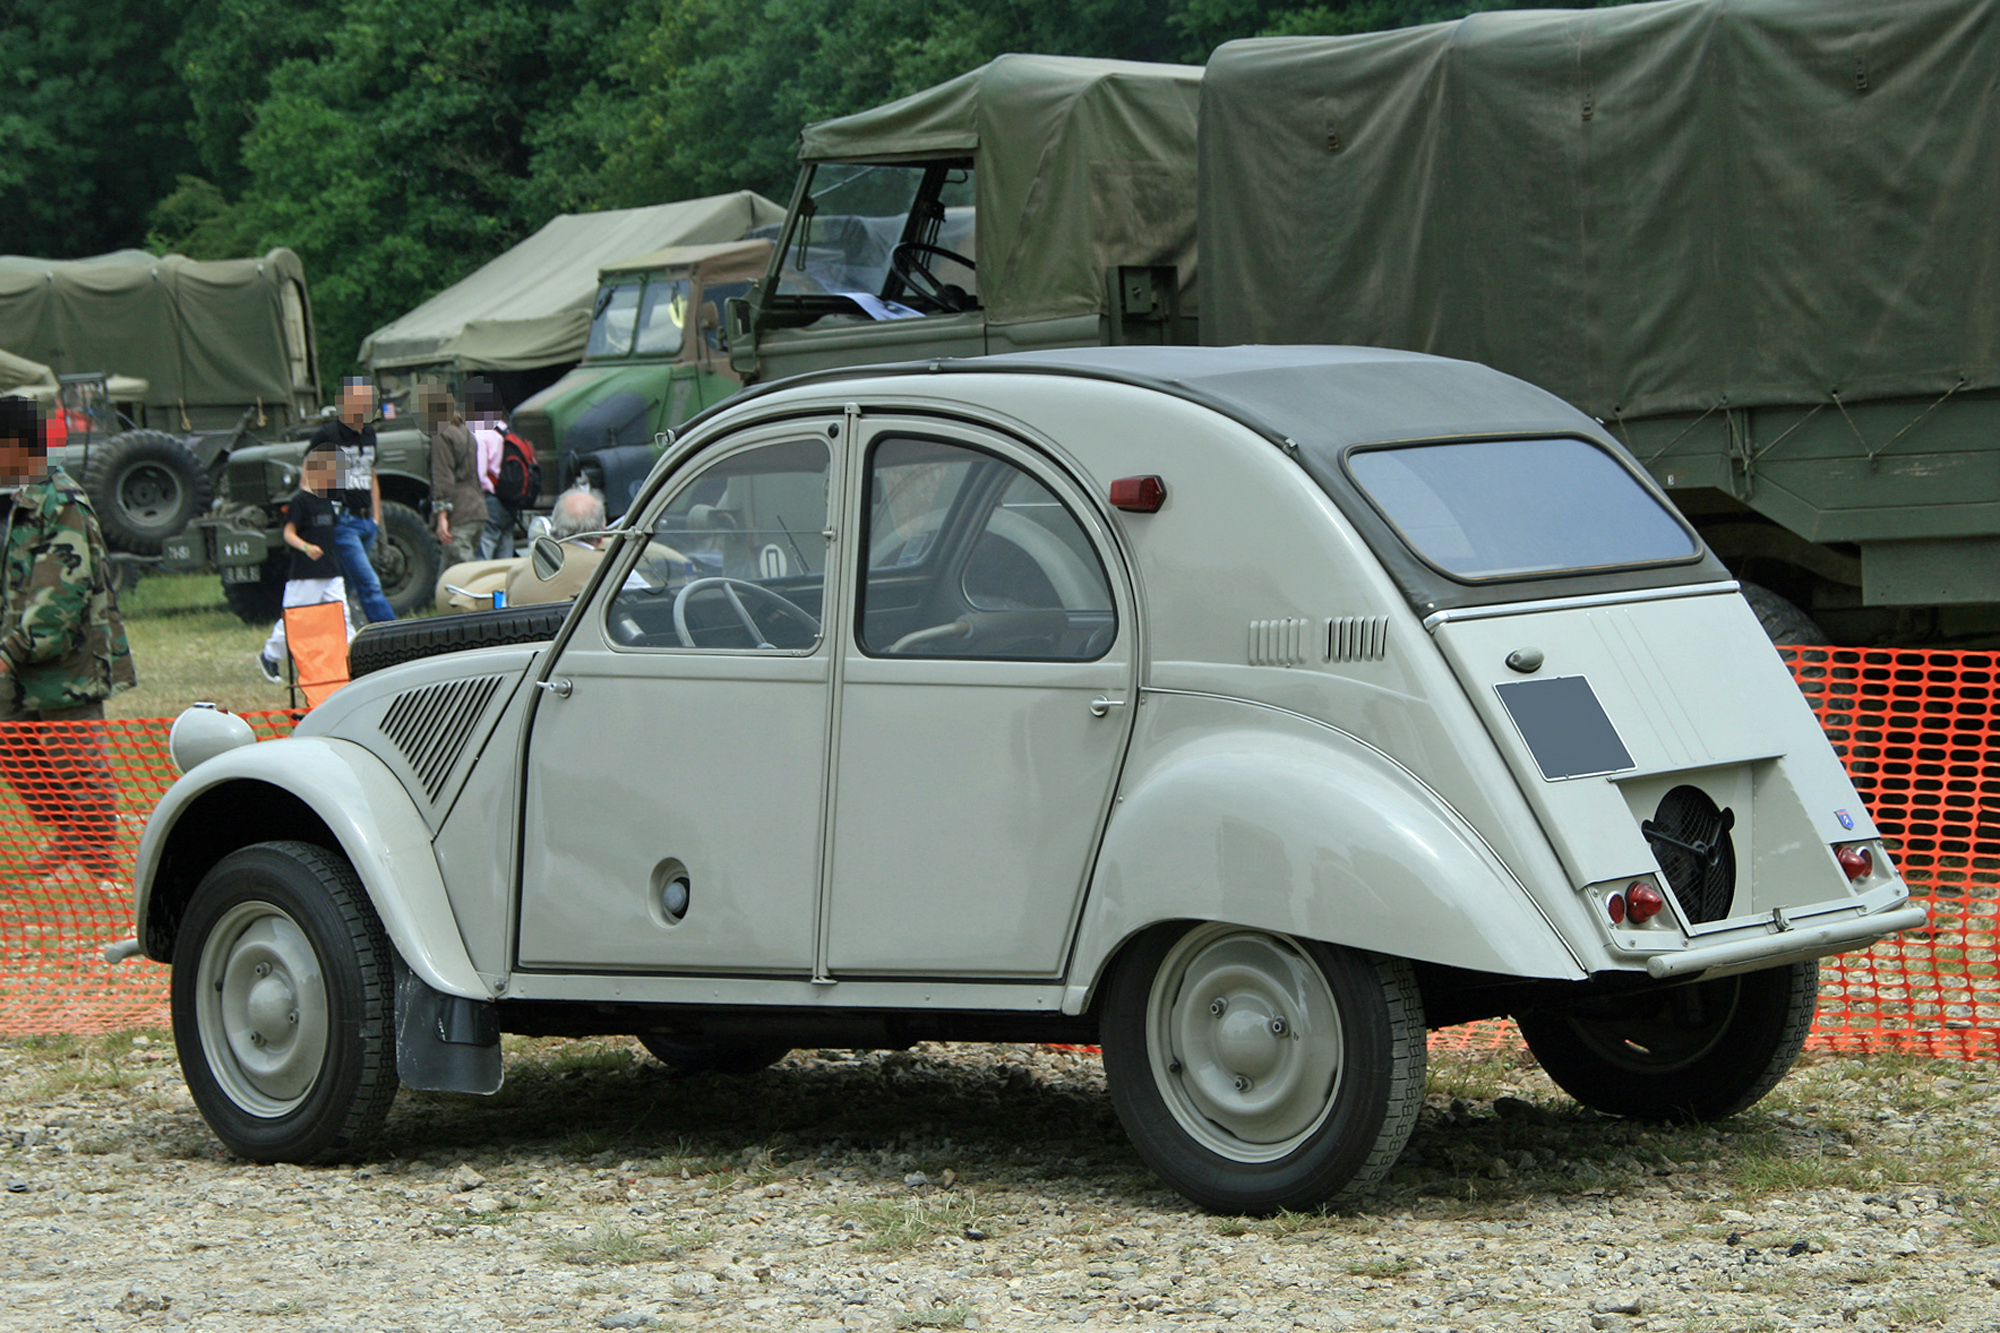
<point>662,316</point>
<point>1499,509</point>
<point>860,214</point>
<point>612,319</point>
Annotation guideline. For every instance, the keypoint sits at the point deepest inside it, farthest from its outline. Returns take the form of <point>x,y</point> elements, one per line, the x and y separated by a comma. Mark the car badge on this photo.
<point>1846,820</point>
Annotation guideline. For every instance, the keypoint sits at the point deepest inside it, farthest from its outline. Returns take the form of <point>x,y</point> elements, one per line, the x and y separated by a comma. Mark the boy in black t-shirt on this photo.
<point>314,577</point>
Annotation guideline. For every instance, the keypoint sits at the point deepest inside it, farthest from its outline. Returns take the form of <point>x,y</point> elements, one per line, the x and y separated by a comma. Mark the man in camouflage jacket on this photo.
<point>62,651</point>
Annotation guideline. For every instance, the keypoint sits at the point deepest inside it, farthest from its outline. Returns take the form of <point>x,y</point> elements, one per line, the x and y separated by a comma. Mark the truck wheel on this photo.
<point>1694,1052</point>
<point>1257,1072</point>
<point>713,1057</point>
<point>145,486</point>
<point>1781,618</point>
<point>261,602</point>
<point>284,1005</point>
<point>407,559</point>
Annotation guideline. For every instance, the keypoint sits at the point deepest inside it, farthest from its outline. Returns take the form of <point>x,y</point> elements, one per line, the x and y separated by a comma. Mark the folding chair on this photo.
<point>317,638</point>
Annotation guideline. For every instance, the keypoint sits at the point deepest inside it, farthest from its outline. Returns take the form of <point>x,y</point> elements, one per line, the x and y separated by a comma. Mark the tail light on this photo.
<point>1856,862</point>
<point>1642,902</point>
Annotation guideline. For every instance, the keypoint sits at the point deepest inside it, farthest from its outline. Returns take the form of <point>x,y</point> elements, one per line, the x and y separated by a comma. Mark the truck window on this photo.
<point>662,316</point>
<point>847,245</point>
<point>1500,509</point>
<point>612,320</point>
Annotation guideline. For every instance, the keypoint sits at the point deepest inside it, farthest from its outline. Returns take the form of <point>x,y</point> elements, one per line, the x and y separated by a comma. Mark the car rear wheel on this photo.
<point>705,1056</point>
<point>284,1004</point>
<point>1695,1052</point>
<point>1257,1072</point>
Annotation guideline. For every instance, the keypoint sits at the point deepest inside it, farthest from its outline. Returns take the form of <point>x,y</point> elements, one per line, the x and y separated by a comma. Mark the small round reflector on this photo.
<point>1857,862</point>
<point>1643,902</point>
<point>1138,495</point>
<point>1617,908</point>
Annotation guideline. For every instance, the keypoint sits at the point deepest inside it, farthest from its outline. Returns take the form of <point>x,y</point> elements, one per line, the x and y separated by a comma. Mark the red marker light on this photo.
<point>1643,902</point>
<point>1617,908</point>
<point>1857,862</point>
<point>1138,495</point>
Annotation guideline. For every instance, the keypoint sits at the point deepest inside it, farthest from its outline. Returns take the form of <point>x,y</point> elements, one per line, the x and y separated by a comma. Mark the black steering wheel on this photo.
<point>789,610</point>
<point>906,261</point>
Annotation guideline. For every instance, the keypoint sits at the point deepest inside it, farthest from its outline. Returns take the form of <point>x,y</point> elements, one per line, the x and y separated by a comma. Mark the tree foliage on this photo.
<point>398,144</point>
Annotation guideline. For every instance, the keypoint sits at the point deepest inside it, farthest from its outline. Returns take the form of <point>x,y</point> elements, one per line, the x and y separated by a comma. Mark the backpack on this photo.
<point>520,481</point>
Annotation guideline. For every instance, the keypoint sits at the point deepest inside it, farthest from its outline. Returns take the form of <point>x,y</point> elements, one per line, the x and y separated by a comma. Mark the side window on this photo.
<point>970,556</point>
<point>736,559</point>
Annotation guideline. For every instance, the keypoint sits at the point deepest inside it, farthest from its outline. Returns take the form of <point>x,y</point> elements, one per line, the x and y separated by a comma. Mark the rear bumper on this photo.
<point>1788,945</point>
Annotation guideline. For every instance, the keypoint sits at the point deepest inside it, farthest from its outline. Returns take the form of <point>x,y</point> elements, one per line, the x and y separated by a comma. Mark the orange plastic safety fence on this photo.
<point>1912,726</point>
<point>74,797</point>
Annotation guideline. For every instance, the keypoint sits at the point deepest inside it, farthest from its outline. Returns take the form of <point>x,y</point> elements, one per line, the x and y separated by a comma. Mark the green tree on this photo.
<point>92,122</point>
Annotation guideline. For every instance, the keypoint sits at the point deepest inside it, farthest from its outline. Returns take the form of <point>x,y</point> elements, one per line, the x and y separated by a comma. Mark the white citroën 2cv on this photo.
<point>1246,710</point>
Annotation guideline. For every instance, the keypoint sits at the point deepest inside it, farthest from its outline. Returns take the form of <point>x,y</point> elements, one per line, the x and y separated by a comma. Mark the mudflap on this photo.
<point>445,1043</point>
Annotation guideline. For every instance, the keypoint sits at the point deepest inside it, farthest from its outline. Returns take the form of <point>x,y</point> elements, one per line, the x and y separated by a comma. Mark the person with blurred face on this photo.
<point>358,494</point>
<point>457,500</point>
<point>62,651</point>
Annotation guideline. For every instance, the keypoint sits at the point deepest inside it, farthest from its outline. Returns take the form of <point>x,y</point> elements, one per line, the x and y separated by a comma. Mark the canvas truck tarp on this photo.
<point>1646,209</point>
<point>25,378</point>
<point>210,334</point>
<point>531,306</point>
<point>1078,165</point>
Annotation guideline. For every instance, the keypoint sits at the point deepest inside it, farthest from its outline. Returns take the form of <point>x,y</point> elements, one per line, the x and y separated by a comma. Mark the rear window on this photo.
<point>1499,509</point>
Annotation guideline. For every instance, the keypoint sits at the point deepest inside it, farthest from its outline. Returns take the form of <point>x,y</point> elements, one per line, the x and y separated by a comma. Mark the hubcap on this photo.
<point>1245,1041</point>
<point>262,1009</point>
<point>149,494</point>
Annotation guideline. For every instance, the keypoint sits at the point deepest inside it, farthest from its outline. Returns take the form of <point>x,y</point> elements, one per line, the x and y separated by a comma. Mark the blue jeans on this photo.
<point>496,539</point>
<point>351,539</point>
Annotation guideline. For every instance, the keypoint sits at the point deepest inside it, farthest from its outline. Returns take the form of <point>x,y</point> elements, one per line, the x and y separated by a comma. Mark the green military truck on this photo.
<point>1753,237</point>
<point>166,365</point>
<point>654,358</point>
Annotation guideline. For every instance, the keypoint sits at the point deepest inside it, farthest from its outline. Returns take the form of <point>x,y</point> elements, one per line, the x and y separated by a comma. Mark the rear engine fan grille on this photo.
<point>1691,840</point>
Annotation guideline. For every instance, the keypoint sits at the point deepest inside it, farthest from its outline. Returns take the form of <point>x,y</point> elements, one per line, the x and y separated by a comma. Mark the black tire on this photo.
<point>1684,1053</point>
<point>1783,621</point>
<point>713,1057</point>
<point>407,558</point>
<point>390,642</point>
<point>1256,1072</point>
<point>283,1005</point>
<point>145,486</point>
<point>263,601</point>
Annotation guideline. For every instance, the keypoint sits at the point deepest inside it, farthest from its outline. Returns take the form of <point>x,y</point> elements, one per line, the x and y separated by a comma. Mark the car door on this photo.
<point>983,708</point>
<point>676,769</point>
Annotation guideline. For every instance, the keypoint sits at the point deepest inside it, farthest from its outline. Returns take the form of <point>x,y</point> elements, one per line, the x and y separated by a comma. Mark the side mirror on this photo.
<point>739,335</point>
<point>546,558</point>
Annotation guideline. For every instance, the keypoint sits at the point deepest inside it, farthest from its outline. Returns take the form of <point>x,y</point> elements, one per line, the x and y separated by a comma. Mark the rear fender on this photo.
<point>1288,826</point>
<point>360,803</point>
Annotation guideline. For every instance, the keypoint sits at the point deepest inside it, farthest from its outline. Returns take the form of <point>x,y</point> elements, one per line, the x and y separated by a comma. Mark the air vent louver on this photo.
<point>430,726</point>
<point>1690,839</point>
<point>1357,638</point>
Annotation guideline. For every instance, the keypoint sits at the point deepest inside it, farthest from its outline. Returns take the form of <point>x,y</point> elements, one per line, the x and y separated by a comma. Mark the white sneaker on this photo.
<point>269,669</point>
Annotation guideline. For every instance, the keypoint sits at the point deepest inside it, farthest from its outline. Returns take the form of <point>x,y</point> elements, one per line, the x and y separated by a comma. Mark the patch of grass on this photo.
<point>1388,1266</point>
<point>895,1226</point>
<point>610,1244</point>
<point>187,645</point>
<point>944,1316</point>
<point>1930,1311</point>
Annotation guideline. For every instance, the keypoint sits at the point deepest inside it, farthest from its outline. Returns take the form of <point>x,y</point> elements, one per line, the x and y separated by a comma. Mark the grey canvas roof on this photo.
<point>1078,164</point>
<point>1317,403</point>
<point>1646,208</point>
<point>530,307</point>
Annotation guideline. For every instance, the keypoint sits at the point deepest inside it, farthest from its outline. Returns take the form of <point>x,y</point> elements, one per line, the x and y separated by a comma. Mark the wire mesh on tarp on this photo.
<point>1912,726</point>
<point>73,802</point>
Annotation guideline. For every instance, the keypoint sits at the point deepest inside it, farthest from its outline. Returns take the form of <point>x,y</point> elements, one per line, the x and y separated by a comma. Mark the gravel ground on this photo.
<point>982,1187</point>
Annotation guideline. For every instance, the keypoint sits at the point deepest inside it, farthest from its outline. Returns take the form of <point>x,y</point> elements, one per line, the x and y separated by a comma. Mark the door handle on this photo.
<point>1101,705</point>
<point>560,687</point>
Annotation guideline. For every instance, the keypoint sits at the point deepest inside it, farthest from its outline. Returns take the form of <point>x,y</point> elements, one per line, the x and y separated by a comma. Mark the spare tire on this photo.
<point>145,486</point>
<point>389,642</point>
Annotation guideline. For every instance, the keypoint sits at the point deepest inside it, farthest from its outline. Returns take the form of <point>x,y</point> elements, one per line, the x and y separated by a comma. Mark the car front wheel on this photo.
<point>1257,1072</point>
<point>284,1004</point>
<point>1695,1052</point>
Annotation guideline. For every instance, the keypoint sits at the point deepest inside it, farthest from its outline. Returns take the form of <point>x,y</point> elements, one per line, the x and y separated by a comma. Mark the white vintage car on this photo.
<point>1248,711</point>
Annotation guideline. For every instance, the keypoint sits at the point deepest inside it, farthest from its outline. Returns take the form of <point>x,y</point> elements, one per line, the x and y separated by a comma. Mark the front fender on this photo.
<point>1271,820</point>
<point>370,816</point>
